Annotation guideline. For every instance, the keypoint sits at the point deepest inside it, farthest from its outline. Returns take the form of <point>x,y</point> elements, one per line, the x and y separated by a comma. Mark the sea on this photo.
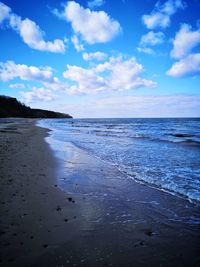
<point>163,153</point>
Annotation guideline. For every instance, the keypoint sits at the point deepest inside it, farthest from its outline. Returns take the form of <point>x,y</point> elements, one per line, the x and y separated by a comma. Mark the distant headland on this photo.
<point>11,107</point>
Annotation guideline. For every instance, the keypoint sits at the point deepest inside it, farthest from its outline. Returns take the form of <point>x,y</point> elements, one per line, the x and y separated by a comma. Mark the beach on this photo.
<point>82,211</point>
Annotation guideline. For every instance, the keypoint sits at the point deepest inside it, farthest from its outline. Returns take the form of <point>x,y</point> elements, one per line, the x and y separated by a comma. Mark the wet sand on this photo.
<point>84,212</point>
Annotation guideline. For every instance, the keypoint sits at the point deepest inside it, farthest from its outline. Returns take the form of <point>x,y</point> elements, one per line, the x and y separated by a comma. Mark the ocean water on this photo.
<point>162,153</point>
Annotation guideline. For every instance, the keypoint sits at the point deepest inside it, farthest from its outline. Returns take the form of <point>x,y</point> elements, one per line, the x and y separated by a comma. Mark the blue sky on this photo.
<point>102,58</point>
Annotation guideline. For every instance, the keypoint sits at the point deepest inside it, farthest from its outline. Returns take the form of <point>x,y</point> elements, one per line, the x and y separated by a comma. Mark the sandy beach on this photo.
<point>83,212</point>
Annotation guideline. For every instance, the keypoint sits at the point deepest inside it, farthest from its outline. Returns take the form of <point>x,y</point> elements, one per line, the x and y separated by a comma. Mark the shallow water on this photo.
<point>164,153</point>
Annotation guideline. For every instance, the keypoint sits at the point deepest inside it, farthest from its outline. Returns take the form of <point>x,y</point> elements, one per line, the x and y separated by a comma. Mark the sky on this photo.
<point>102,58</point>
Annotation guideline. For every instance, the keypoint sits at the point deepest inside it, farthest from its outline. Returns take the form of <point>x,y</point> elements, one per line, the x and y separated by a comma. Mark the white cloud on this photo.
<point>116,74</point>
<point>152,38</point>
<point>185,40</point>
<point>9,70</point>
<point>186,66</point>
<point>87,80</point>
<point>33,37</point>
<point>127,106</point>
<point>4,12</point>
<point>95,3</point>
<point>44,75</point>
<point>17,85</point>
<point>56,85</point>
<point>94,56</point>
<point>38,94</point>
<point>156,20</point>
<point>78,46</point>
<point>146,50</point>
<point>161,15</point>
<point>30,32</point>
<point>92,26</point>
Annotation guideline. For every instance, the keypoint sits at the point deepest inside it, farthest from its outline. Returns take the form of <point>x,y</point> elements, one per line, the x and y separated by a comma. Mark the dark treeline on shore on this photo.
<point>11,107</point>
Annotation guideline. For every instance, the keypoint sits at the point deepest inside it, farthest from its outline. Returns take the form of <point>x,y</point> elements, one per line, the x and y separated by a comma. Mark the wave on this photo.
<point>191,142</point>
<point>188,142</point>
<point>157,158</point>
<point>178,138</point>
<point>180,135</point>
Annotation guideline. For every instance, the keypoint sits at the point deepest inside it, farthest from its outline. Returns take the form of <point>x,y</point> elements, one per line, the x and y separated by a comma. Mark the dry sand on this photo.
<point>97,219</point>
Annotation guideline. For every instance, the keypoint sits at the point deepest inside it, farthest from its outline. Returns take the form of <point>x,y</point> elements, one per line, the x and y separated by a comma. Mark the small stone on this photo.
<point>58,208</point>
<point>148,232</point>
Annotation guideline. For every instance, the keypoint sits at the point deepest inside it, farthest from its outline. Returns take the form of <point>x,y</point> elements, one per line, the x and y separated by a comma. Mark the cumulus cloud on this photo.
<point>76,42</point>
<point>33,37</point>
<point>30,32</point>
<point>86,79</point>
<point>4,12</point>
<point>92,26</point>
<point>189,65</point>
<point>38,94</point>
<point>185,40</point>
<point>156,20</point>
<point>44,75</point>
<point>116,74</point>
<point>9,70</point>
<point>94,56</point>
<point>161,15</point>
<point>17,85</point>
<point>95,3</point>
<point>152,38</point>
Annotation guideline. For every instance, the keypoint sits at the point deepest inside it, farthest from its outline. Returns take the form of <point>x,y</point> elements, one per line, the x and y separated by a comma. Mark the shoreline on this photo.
<point>97,219</point>
<point>50,140</point>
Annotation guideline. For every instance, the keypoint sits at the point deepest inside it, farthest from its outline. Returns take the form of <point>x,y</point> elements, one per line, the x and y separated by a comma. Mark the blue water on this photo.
<point>163,153</point>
